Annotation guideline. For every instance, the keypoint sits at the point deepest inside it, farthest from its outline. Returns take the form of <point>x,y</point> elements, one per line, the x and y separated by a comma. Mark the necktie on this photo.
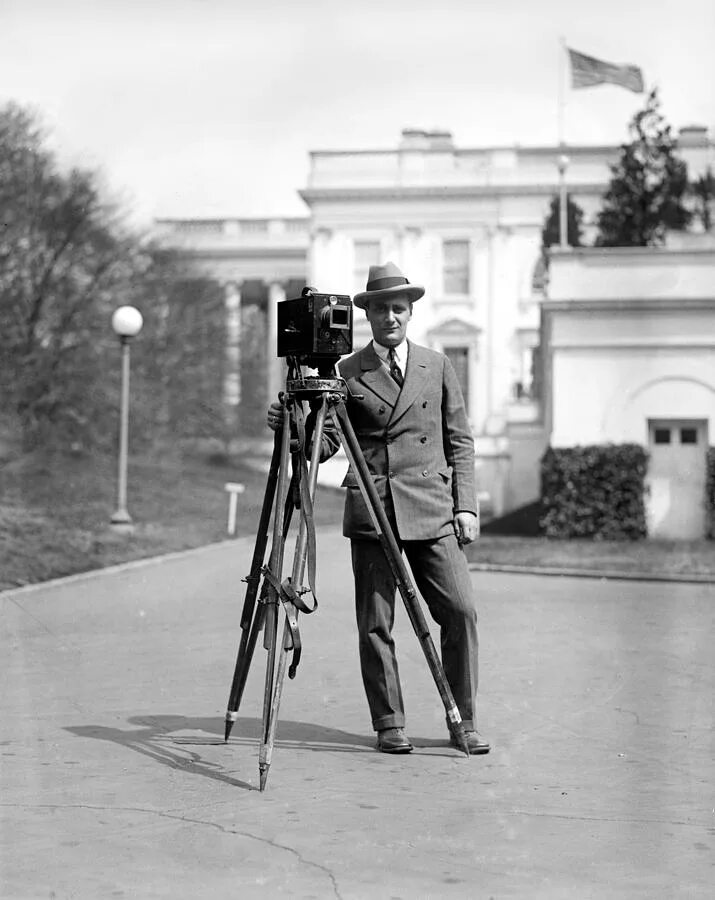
<point>395,367</point>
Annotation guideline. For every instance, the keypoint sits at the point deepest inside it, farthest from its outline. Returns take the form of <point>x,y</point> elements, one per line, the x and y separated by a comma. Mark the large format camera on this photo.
<point>315,328</point>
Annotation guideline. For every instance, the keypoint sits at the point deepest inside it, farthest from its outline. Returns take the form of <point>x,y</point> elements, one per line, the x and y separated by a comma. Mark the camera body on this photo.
<point>315,327</point>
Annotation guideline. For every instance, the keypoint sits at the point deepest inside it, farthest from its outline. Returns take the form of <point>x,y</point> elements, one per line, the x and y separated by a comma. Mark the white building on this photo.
<point>465,223</point>
<point>629,352</point>
<point>258,262</point>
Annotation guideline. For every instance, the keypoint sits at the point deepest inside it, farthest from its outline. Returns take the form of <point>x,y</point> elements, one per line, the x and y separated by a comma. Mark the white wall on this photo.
<point>629,341</point>
<point>603,396</point>
<point>634,272</point>
<point>631,336</point>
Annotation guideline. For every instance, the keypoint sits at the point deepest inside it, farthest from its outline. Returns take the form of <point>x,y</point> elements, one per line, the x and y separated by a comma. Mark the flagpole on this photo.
<point>563,159</point>
<point>562,90</point>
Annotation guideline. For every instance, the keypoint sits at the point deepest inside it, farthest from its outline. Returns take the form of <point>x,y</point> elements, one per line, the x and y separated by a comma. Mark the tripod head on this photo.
<point>324,365</point>
<point>310,386</point>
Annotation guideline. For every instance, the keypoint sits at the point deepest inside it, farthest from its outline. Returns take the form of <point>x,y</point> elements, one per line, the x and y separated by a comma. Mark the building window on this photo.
<point>540,276</point>
<point>456,267</point>
<point>367,253</point>
<point>525,387</point>
<point>459,357</point>
<point>661,436</point>
<point>688,435</point>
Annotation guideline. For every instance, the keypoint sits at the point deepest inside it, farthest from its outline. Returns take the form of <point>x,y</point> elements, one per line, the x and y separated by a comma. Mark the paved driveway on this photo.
<point>597,697</point>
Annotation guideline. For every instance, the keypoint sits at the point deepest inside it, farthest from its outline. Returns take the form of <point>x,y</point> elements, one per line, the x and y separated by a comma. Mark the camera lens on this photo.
<point>339,316</point>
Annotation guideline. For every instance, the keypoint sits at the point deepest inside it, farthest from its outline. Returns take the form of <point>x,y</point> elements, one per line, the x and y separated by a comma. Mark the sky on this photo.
<point>211,107</point>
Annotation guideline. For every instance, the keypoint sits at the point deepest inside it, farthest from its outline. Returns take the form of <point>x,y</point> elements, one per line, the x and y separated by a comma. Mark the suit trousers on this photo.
<point>442,576</point>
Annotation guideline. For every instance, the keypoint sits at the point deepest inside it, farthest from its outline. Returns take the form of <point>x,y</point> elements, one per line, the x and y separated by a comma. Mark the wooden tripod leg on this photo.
<point>297,573</point>
<point>259,618</point>
<point>275,566</point>
<point>394,557</point>
<point>248,630</point>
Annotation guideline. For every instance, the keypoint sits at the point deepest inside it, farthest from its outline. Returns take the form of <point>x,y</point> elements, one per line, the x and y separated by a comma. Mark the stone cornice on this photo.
<point>645,344</point>
<point>519,149</point>
<point>235,252</point>
<point>417,192</point>
<point>652,254</point>
<point>629,304</point>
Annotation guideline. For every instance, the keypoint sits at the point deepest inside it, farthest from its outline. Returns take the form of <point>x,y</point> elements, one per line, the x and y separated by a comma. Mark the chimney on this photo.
<point>419,139</point>
<point>413,139</point>
<point>440,140</point>
<point>693,136</point>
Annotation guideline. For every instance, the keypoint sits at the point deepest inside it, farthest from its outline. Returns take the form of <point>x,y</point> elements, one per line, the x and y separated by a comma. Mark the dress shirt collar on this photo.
<point>400,353</point>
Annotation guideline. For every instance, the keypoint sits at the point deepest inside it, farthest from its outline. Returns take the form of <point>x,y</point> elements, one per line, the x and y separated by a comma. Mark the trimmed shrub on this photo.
<point>710,493</point>
<point>594,492</point>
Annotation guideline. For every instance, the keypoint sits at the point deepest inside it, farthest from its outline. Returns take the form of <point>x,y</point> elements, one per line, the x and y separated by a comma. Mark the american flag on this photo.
<point>587,72</point>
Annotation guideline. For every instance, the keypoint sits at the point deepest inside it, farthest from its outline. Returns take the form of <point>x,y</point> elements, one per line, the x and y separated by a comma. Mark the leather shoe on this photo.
<point>393,740</point>
<point>475,743</point>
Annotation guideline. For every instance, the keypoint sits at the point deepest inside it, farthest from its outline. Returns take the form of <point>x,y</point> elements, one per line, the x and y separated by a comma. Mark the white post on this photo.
<point>121,515</point>
<point>562,75</point>
<point>234,489</point>
<point>563,159</point>
<point>563,202</point>
<point>127,323</point>
<point>489,323</point>
<point>232,504</point>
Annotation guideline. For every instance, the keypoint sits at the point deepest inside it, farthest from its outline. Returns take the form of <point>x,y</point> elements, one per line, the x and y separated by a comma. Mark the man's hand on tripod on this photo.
<point>275,416</point>
<point>274,419</point>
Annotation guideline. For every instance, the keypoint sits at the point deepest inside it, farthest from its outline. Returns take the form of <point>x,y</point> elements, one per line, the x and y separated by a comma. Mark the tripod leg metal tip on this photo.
<point>263,777</point>
<point>230,722</point>
<point>459,740</point>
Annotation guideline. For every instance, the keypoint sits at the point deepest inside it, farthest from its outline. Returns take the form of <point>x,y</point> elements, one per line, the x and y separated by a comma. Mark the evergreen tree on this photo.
<point>703,190</point>
<point>648,185</point>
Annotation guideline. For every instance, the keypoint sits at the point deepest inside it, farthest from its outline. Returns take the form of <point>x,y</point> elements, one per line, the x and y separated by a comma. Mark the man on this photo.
<point>408,414</point>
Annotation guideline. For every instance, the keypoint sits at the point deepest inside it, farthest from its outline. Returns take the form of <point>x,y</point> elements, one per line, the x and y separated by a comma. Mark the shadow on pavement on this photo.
<point>157,740</point>
<point>151,741</point>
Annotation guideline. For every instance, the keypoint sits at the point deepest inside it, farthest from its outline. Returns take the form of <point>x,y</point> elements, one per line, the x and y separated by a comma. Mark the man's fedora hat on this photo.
<point>386,281</point>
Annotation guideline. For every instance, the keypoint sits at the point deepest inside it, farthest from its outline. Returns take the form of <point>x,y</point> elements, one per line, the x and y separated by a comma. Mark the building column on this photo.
<point>410,261</point>
<point>232,353</point>
<point>489,320</point>
<point>323,259</point>
<point>275,366</point>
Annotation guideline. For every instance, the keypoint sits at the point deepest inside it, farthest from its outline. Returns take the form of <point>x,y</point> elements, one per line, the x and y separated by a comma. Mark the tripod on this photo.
<point>327,394</point>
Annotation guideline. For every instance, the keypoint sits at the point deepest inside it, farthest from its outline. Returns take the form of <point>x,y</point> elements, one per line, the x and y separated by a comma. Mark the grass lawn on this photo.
<point>655,558</point>
<point>55,510</point>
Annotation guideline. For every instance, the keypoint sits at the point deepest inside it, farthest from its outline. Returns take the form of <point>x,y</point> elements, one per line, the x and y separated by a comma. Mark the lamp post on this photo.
<point>127,323</point>
<point>563,204</point>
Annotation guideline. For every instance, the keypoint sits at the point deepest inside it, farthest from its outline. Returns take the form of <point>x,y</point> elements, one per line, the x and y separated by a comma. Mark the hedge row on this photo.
<point>710,493</point>
<point>595,492</point>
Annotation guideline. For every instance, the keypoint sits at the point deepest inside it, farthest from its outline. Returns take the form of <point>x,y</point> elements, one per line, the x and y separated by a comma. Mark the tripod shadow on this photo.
<point>155,738</point>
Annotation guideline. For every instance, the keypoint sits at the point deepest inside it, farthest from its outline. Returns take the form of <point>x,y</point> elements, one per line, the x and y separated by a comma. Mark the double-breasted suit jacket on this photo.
<point>416,442</point>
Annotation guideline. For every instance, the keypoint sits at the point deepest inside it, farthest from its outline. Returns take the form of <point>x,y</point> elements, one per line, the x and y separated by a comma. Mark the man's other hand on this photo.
<point>466,527</point>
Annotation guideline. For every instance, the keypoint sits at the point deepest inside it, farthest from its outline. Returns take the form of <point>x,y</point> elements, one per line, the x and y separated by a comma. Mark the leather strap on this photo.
<point>300,466</point>
<point>286,594</point>
<point>289,596</point>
